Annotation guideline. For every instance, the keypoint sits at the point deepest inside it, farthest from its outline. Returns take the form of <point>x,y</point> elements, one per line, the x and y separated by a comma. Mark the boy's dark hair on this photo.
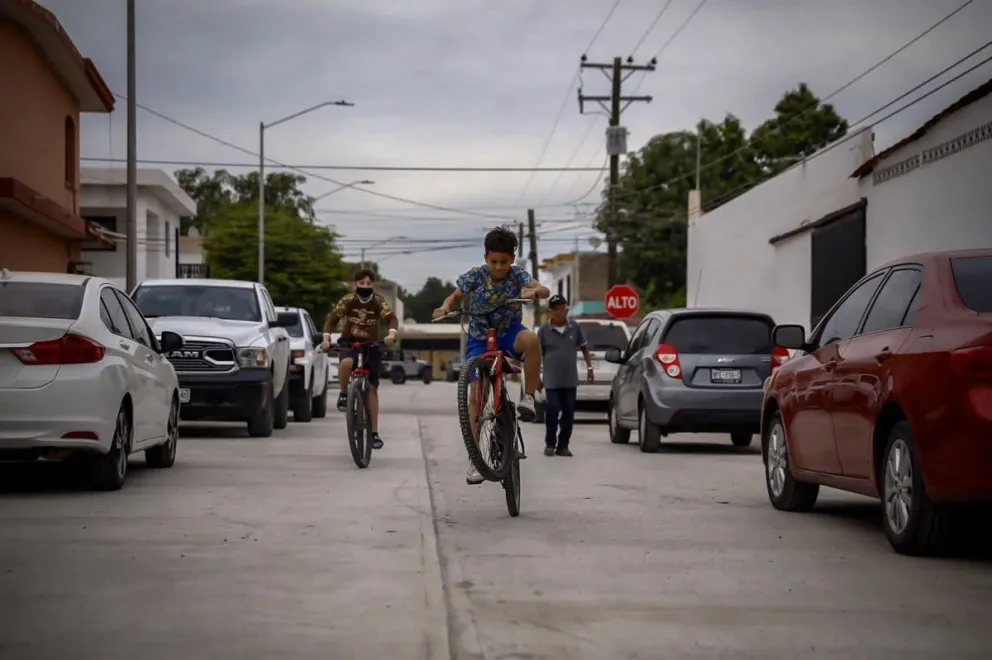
<point>362,273</point>
<point>502,240</point>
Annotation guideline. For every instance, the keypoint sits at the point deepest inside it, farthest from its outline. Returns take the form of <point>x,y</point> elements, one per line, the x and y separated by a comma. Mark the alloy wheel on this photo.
<point>898,487</point>
<point>122,436</point>
<point>173,430</point>
<point>777,461</point>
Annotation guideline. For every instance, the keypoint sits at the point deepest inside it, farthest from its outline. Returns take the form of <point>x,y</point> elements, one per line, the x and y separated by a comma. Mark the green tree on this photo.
<point>420,306</point>
<point>302,265</point>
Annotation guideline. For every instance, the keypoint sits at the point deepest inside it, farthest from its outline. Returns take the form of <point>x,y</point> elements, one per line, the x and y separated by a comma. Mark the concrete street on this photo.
<point>282,548</point>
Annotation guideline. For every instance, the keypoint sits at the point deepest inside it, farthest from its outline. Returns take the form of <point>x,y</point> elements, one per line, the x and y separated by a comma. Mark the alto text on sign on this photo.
<point>622,302</point>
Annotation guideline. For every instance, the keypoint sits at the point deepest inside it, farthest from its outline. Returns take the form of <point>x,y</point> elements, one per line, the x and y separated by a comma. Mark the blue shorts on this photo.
<point>476,347</point>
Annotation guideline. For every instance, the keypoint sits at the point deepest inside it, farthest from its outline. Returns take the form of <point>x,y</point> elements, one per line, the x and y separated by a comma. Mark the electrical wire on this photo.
<point>307,173</point>
<point>854,125</point>
<point>671,39</point>
<point>565,100</point>
<point>350,168</point>
<point>644,36</point>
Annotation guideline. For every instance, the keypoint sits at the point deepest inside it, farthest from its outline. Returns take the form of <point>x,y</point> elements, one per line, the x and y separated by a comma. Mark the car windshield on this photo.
<point>41,300</point>
<point>973,279</point>
<point>726,335</point>
<point>296,330</point>
<point>602,336</point>
<point>219,302</point>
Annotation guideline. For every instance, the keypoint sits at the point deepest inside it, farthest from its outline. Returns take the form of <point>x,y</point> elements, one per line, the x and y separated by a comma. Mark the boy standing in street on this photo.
<point>561,338</point>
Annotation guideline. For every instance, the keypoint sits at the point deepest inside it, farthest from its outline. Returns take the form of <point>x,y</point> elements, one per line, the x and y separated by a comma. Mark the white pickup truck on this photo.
<point>235,364</point>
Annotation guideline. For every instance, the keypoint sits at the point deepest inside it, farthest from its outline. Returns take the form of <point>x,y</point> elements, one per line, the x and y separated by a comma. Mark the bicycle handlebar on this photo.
<point>458,313</point>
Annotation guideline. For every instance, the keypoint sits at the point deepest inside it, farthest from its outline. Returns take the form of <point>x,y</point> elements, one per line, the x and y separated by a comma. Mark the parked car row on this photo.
<point>890,395</point>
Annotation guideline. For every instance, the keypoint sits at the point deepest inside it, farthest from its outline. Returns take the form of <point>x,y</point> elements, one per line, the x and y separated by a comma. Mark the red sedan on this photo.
<point>890,397</point>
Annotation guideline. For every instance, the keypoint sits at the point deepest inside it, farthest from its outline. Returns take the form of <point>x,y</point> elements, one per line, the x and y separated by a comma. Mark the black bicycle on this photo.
<point>498,457</point>
<point>358,412</point>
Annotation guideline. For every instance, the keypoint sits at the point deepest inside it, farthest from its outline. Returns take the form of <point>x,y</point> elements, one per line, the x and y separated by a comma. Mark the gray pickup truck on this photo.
<point>399,366</point>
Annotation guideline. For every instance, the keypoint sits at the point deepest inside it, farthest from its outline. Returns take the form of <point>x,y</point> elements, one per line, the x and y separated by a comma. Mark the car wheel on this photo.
<point>741,439</point>
<point>164,455</point>
<point>303,410</point>
<point>648,434</point>
<point>397,376</point>
<point>108,471</point>
<point>427,376</point>
<point>280,416</point>
<point>618,434</point>
<point>914,524</point>
<point>260,426</point>
<point>785,492</point>
<point>319,405</point>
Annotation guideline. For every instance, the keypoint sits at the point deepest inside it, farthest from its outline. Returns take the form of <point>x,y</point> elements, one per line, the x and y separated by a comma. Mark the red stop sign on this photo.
<point>622,302</point>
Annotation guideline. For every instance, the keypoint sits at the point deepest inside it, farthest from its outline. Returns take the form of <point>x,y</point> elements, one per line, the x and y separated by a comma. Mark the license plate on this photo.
<point>725,375</point>
<point>183,395</point>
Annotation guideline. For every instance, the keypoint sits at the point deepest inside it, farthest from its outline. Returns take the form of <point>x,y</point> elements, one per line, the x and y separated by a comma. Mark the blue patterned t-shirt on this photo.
<point>485,293</point>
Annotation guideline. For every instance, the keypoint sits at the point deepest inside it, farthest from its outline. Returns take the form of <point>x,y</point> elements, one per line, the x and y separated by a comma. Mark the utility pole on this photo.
<point>131,252</point>
<point>532,230</point>
<point>520,241</point>
<point>616,137</point>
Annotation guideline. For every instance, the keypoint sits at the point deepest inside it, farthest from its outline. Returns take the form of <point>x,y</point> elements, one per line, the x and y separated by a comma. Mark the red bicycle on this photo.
<point>358,413</point>
<point>489,423</point>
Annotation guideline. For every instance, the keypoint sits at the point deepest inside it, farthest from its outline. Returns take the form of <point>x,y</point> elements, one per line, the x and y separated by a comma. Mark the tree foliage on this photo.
<point>303,267</point>
<point>421,305</point>
<point>654,185</point>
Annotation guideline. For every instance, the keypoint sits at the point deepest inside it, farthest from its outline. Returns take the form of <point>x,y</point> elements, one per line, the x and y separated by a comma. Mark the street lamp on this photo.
<point>363,182</point>
<point>261,176</point>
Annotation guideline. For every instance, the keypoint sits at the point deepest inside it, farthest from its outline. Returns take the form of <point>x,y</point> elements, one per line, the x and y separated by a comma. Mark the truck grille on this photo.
<point>200,357</point>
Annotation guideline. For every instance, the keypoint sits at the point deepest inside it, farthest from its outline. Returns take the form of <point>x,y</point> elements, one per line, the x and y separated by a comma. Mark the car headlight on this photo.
<point>253,357</point>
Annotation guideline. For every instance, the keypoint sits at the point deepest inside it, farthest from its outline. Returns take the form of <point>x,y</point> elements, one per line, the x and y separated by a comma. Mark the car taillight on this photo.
<point>779,357</point>
<point>70,349</point>
<point>974,362</point>
<point>669,359</point>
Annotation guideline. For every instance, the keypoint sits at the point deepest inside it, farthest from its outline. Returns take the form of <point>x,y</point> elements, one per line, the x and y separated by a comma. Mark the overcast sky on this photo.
<point>479,83</point>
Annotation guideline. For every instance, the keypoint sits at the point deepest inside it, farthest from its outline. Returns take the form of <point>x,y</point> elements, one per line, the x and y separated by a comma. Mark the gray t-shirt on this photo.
<point>560,347</point>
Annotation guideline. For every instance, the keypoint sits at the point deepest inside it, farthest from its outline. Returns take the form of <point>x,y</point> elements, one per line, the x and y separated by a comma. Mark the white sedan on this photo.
<point>83,377</point>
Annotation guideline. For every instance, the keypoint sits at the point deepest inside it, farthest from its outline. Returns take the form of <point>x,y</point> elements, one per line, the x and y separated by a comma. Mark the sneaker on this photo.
<point>563,451</point>
<point>526,407</point>
<point>376,441</point>
<point>342,402</point>
<point>549,451</point>
<point>472,477</point>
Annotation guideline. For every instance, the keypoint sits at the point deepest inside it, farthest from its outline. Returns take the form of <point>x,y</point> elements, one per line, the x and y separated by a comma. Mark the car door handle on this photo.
<point>830,365</point>
<point>883,355</point>
<point>150,359</point>
<point>125,346</point>
<point>282,339</point>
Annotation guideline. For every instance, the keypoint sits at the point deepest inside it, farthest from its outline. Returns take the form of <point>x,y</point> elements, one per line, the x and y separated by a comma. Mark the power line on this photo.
<point>375,193</point>
<point>564,101</point>
<point>350,168</point>
<point>752,141</point>
<point>571,158</point>
<point>644,36</point>
<point>671,39</point>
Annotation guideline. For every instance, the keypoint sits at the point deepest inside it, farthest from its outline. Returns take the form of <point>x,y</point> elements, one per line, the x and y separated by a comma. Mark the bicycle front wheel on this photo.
<point>359,424</point>
<point>490,442</point>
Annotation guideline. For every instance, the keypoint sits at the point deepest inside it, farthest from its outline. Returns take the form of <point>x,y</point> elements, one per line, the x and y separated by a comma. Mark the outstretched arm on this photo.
<point>534,289</point>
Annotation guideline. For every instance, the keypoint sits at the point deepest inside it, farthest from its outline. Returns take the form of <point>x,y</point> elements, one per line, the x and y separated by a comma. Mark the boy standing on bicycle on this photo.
<point>488,285</point>
<point>361,311</point>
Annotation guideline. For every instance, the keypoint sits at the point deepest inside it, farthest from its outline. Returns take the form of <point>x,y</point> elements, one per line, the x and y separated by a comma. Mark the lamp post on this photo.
<point>261,176</point>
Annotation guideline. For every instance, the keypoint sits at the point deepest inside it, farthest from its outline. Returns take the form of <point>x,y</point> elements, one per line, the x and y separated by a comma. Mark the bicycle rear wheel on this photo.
<point>492,455</point>
<point>512,487</point>
<point>359,424</point>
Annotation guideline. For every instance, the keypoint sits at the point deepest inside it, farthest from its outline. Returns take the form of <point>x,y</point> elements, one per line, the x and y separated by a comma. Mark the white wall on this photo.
<point>730,262</point>
<point>156,257</point>
<point>942,205</point>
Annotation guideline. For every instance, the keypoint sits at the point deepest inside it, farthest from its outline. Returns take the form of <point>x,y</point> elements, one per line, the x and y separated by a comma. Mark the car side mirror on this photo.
<point>285,320</point>
<point>171,341</point>
<point>614,356</point>
<point>789,336</point>
<point>318,340</point>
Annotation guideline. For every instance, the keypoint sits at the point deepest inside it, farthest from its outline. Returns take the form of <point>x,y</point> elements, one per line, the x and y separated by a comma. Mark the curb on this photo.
<point>463,639</point>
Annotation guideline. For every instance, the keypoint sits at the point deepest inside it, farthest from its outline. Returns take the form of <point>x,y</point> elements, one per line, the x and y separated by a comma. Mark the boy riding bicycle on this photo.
<point>487,285</point>
<point>361,312</point>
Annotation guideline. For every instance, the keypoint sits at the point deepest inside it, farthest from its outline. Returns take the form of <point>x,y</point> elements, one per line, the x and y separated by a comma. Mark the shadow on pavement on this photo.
<point>707,448</point>
<point>215,431</point>
<point>49,477</point>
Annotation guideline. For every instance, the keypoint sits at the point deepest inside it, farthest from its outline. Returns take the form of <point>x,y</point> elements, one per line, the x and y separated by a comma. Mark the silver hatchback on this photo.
<point>692,371</point>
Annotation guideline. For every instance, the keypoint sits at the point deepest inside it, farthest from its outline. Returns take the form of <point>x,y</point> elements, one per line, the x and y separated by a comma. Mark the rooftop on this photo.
<point>78,73</point>
<point>159,182</point>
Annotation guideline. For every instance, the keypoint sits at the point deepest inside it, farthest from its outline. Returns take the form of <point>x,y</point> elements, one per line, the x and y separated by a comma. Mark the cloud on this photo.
<point>476,83</point>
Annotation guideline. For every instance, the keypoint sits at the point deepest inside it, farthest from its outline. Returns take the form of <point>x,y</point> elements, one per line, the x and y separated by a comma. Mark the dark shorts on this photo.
<point>476,347</point>
<point>373,358</point>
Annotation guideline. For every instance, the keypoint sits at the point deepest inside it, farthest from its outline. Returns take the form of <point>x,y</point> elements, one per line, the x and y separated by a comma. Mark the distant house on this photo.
<point>161,206</point>
<point>45,84</point>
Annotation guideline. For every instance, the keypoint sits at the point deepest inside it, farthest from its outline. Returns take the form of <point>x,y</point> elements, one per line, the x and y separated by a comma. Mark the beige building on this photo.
<point>40,223</point>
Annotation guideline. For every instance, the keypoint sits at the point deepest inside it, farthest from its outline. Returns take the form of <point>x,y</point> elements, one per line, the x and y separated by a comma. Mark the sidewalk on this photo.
<point>247,549</point>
